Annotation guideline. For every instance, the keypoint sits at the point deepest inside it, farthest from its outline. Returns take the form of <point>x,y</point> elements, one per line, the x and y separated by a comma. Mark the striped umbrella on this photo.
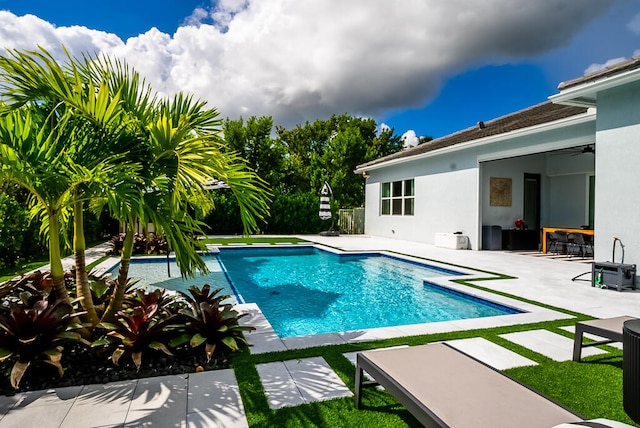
<point>325,208</point>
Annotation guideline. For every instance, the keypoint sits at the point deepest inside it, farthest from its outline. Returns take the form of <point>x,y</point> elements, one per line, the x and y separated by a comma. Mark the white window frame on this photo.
<point>397,198</point>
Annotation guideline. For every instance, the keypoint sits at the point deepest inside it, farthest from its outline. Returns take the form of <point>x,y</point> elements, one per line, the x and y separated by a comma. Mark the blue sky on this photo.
<point>428,66</point>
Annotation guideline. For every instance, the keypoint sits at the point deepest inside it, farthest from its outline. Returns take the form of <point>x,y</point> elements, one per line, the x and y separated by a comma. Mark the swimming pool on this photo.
<point>305,290</point>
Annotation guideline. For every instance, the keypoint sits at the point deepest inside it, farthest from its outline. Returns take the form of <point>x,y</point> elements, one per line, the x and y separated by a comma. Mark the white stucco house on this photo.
<point>573,161</point>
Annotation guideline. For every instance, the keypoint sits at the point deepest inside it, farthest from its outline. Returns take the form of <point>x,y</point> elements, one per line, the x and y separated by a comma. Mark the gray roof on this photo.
<point>531,116</point>
<point>605,72</point>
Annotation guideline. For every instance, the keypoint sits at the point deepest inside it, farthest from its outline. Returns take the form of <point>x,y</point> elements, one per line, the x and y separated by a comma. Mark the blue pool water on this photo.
<point>152,271</point>
<point>310,291</point>
<point>305,290</point>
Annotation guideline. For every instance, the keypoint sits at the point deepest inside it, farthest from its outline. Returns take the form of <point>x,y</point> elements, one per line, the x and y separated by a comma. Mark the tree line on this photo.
<point>296,162</point>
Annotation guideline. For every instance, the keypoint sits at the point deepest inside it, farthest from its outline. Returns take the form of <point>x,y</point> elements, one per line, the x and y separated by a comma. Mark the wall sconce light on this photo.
<point>364,174</point>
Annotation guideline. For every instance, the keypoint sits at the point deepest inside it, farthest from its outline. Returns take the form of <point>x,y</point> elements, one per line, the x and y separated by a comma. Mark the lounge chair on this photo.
<point>609,328</point>
<point>443,387</point>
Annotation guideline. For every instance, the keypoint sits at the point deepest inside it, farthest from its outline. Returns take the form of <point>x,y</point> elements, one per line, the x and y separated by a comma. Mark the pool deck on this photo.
<point>543,280</point>
<point>212,398</point>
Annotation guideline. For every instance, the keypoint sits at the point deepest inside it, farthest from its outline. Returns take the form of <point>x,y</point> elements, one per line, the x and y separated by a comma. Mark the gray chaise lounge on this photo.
<point>443,387</point>
<point>609,328</point>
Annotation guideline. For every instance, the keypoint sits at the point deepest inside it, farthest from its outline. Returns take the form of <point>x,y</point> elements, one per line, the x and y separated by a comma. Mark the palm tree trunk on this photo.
<point>83,290</point>
<point>55,259</point>
<point>123,275</point>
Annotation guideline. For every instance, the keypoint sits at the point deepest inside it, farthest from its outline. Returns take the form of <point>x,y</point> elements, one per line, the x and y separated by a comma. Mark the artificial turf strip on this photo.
<point>379,408</point>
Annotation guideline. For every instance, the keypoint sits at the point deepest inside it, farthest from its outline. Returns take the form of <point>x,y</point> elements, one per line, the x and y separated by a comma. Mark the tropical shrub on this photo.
<point>102,289</point>
<point>33,330</point>
<point>142,244</point>
<point>35,325</point>
<point>35,283</point>
<point>210,322</point>
<point>148,323</point>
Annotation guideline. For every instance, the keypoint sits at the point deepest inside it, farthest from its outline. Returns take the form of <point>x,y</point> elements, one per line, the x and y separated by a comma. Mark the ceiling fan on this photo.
<point>575,151</point>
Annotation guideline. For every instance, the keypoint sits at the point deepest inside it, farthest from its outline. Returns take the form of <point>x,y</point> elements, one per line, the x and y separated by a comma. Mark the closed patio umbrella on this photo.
<point>325,208</point>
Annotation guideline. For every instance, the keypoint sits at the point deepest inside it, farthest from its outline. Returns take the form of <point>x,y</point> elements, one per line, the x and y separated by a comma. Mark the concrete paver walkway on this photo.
<point>552,345</point>
<point>490,353</point>
<point>208,399</point>
<point>572,329</point>
<point>294,382</point>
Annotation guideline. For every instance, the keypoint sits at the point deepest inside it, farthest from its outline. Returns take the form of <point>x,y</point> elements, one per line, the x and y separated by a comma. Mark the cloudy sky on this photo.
<point>424,67</point>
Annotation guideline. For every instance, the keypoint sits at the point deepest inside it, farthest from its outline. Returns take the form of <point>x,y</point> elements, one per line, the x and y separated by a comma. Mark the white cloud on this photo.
<point>597,67</point>
<point>29,31</point>
<point>302,60</point>
<point>410,139</point>
<point>219,15</point>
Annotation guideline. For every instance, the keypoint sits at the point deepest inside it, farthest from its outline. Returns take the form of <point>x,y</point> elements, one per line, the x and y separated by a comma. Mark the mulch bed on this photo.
<point>84,366</point>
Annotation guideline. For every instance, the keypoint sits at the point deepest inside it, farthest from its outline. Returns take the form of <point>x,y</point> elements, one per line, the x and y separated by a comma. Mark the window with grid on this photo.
<point>397,197</point>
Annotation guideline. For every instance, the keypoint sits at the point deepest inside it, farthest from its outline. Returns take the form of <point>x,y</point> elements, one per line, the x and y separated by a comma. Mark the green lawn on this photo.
<point>8,273</point>
<point>593,388</point>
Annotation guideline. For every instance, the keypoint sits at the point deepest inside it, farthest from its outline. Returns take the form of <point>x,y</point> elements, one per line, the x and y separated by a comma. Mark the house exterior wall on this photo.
<point>446,199</point>
<point>617,201</point>
<point>452,189</point>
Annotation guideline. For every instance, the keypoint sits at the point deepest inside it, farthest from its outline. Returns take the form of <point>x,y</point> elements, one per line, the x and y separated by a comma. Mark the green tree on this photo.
<point>329,150</point>
<point>33,155</point>
<point>384,144</point>
<point>108,140</point>
<point>252,141</point>
<point>85,123</point>
<point>13,229</point>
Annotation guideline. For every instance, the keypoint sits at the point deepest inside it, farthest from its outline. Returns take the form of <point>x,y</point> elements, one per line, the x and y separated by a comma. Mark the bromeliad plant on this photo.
<point>211,322</point>
<point>33,330</point>
<point>148,323</point>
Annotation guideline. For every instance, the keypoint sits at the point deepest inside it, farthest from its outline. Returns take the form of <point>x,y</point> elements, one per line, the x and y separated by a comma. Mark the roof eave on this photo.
<point>585,94</point>
<point>518,133</point>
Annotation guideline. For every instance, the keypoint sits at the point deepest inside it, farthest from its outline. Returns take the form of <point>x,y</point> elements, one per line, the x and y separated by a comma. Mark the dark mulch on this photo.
<point>84,366</point>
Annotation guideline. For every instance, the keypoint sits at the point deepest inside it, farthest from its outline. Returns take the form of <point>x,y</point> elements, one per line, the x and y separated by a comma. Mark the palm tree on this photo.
<point>150,159</point>
<point>36,79</point>
<point>185,155</point>
<point>34,155</point>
